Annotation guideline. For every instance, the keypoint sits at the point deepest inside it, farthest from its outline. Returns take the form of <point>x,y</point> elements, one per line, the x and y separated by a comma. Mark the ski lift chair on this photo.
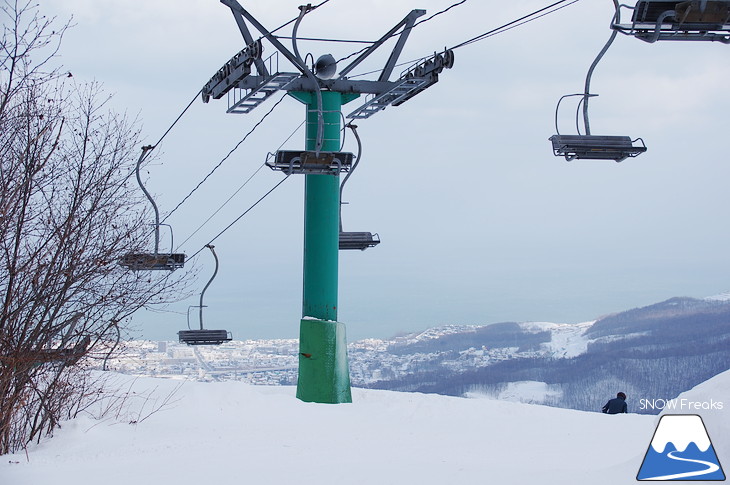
<point>358,240</point>
<point>309,162</point>
<point>696,20</point>
<point>592,147</point>
<point>588,146</point>
<point>355,240</point>
<point>203,336</point>
<point>154,261</point>
<point>66,356</point>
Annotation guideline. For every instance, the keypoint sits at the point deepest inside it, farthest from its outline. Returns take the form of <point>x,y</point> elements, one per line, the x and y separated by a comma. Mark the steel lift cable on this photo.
<point>517,22</point>
<point>240,188</point>
<point>223,205</point>
<point>499,30</point>
<point>146,152</point>
<point>410,28</point>
<point>532,19</point>
<point>169,129</point>
<point>295,18</point>
<point>177,119</point>
<point>250,132</point>
<point>315,39</point>
<point>242,215</point>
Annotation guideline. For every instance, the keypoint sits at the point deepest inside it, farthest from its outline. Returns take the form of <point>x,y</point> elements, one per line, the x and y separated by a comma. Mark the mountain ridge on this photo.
<point>655,351</point>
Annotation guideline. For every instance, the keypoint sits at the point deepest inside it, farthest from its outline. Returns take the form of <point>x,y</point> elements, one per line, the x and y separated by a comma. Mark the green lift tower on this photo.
<point>323,367</point>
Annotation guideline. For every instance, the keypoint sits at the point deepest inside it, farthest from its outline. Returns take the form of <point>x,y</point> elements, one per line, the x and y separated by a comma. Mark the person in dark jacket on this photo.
<point>616,405</point>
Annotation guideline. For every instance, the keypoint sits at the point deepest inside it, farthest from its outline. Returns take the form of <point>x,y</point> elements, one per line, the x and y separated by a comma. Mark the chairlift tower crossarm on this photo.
<point>419,77</point>
<point>323,368</point>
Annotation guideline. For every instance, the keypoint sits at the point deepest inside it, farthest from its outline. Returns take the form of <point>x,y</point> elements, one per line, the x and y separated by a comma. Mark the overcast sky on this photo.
<point>479,222</point>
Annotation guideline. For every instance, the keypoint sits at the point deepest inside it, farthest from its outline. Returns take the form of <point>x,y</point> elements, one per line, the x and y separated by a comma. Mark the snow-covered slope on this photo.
<point>567,340</point>
<point>230,432</point>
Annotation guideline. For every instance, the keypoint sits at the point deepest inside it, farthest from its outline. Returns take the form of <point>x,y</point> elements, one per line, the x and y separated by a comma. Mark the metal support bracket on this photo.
<point>239,102</point>
<point>407,24</point>
<point>232,72</point>
<point>415,80</point>
<point>238,9</point>
<point>401,90</point>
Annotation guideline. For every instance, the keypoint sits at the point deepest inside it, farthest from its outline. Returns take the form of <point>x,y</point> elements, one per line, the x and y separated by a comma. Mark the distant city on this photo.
<point>264,362</point>
<point>274,362</point>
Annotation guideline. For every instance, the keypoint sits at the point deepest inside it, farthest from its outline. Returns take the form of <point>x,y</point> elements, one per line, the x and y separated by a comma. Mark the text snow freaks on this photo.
<point>679,405</point>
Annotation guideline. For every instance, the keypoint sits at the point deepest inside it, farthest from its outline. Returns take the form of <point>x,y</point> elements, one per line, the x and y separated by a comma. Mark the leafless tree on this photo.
<point>69,210</point>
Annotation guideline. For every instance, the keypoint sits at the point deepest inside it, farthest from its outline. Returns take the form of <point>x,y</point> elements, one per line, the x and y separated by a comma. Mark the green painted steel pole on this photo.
<point>324,375</point>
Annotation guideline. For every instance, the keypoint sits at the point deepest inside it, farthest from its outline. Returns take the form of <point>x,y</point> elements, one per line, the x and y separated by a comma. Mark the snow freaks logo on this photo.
<point>681,450</point>
<point>679,405</point>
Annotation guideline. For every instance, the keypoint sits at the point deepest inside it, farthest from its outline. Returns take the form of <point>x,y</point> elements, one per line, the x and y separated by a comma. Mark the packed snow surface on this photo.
<point>233,433</point>
<point>567,339</point>
<point>528,391</point>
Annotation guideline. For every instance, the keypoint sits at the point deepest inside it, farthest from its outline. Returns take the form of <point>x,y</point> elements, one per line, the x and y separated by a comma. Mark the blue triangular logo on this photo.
<point>681,450</point>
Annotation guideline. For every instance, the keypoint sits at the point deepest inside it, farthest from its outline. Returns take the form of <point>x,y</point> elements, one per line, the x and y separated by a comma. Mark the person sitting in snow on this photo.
<point>616,405</point>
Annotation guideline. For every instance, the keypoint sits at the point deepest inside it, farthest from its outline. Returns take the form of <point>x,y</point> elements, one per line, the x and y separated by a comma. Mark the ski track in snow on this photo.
<point>711,468</point>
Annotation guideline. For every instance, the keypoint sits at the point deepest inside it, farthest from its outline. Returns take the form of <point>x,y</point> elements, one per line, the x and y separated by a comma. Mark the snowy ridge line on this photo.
<point>722,297</point>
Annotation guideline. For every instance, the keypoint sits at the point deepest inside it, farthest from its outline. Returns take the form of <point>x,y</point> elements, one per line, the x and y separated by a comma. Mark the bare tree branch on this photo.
<point>68,213</point>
